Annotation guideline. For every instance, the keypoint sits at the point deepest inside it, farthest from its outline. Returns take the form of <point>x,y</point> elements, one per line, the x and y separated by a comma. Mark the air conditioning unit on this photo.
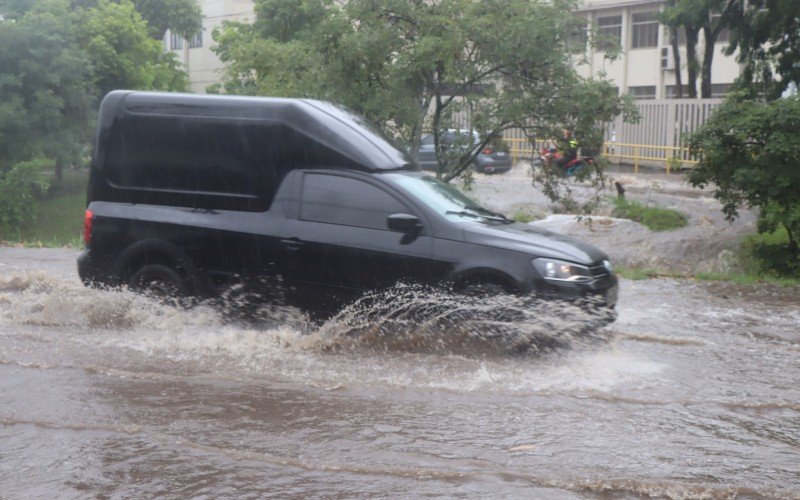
<point>667,61</point>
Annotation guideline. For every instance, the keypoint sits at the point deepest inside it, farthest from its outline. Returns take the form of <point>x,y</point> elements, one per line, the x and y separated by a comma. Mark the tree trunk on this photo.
<point>691,59</point>
<point>708,58</point>
<point>794,248</point>
<point>676,56</point>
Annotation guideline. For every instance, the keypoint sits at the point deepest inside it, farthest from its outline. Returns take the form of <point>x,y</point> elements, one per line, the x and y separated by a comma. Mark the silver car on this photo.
<point>492,159</point>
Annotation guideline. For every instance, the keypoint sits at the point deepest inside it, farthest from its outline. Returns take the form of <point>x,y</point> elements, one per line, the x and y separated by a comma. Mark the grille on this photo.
<point>598,271</point>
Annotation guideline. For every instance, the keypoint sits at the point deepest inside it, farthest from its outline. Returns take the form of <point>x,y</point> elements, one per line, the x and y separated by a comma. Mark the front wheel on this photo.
<point>163,282</point>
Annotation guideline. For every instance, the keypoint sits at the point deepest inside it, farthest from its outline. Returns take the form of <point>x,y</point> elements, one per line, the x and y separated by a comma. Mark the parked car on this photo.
<point>493,158</point>
<point>301,201</point>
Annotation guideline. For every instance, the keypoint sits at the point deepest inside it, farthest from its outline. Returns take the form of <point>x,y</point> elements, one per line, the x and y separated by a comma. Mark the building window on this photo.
<point>175,41</point>
<point>720,89</point>
<point>644,30</point>
<point>672,91</point>
<point>609,32</point>
<point>717,90</point>
<point>196,40</point>
<point>643,92</point>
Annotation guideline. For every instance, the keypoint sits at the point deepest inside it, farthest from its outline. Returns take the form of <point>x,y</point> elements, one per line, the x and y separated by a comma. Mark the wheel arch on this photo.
<point>157,252</point>
<point>484,275</point>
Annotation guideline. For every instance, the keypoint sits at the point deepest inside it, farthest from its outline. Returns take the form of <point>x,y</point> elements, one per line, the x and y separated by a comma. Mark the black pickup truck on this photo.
<point>190,193</point>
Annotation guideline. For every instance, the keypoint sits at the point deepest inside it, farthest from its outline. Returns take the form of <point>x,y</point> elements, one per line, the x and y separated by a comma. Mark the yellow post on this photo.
<point>636,152</point>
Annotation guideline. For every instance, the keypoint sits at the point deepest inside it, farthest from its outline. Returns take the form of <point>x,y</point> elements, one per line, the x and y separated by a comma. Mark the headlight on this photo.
<point>559,270</point>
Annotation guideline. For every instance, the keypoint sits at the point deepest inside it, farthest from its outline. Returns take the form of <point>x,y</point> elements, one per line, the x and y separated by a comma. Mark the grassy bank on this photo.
<point>654,218</point>
<point>59,216</point>
<point>761,258</point>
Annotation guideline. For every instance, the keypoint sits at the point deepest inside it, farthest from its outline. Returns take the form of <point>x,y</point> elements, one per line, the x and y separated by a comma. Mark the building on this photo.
<point>199,61</point>
<point>645,68</point>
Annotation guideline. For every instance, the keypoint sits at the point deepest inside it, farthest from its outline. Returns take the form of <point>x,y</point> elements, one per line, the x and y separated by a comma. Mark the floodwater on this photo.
<point>692,393</point>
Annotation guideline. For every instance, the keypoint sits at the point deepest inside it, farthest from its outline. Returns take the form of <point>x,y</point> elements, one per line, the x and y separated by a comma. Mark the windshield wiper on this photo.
<point>464,213</point>
<point>491,213</point>
<point>479,213</point>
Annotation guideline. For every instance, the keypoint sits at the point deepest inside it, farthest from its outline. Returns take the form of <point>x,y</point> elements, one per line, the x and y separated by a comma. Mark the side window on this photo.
<point>427,140</point>
<point>350,202</point>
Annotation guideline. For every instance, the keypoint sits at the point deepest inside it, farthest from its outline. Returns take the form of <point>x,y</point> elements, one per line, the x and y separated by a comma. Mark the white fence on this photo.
<point>654,140</point>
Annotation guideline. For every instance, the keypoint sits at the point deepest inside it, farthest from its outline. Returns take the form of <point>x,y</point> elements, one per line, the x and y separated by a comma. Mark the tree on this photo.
<point>57,61</point>
<point>415,66</point>
<point>766,34</point>
<point>673,25</point>
<point>123,56</point>
<point>694,16</point>
<point>750,151</point>
<point>45,87</point>
<point>179,16</point>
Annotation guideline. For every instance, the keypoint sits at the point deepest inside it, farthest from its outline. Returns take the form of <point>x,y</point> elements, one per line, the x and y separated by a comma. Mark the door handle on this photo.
<point>292,243</point>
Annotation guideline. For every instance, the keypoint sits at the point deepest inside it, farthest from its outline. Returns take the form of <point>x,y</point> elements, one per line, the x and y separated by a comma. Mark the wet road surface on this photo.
<point>693,392</point>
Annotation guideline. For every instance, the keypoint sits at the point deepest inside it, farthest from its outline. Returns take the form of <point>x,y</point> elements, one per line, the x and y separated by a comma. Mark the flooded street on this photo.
<point>692,392</point>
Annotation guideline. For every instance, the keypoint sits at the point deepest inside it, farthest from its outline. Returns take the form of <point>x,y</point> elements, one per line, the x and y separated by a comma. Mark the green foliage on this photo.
<point>674,163</point>
<point>750,151</point>
<point>181,16</point>
<point>654,218</point>
<point>414,67</point>
<point>123,56</point>
<point>286,20</point>
<point>694,16</point>
<point>766,37</point>
<point>768,254</point>
<point>522,216</point>
<point>17,185</point>
<point>58,219</point>
<point>57,60</point>
<point>45,90</point>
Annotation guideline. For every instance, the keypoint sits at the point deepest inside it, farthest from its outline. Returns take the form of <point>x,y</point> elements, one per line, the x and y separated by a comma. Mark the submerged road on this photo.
<point>693,392</point>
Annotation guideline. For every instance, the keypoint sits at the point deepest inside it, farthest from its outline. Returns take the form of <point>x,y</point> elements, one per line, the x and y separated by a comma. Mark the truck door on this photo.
<point>339,245</point>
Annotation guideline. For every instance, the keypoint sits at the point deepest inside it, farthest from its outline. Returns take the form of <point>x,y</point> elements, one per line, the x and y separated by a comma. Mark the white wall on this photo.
<point>201,63</point>
<point>641,66</point>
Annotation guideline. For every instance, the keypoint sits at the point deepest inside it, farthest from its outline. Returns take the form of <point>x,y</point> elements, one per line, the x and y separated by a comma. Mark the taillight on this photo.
<point>87,226</point>
<point>488,150</point>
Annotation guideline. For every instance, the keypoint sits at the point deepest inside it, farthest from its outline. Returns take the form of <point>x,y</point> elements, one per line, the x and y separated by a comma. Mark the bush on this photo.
<point>656,219</point>
<point>749,152</point>
<point>769,254</point>
<point>17,187</point>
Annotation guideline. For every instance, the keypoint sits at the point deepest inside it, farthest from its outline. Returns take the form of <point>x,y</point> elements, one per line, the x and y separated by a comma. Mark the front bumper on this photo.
<point>600,292</point>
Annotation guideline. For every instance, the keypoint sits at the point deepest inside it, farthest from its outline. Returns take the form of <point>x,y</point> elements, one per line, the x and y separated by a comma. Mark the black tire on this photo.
<point>160,281</point>
<point>482,289</point>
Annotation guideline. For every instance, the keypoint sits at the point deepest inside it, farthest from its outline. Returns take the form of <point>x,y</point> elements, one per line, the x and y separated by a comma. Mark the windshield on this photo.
<point>442,197</point>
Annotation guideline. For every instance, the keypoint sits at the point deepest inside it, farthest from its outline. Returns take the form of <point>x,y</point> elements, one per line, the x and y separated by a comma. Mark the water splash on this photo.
<point>414,318</point>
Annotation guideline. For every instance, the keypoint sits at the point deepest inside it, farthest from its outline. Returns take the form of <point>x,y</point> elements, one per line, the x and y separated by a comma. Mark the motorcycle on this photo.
<point>549,156</point>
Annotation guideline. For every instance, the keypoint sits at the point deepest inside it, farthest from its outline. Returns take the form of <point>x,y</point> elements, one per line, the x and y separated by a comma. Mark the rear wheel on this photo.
<point>160,281</point>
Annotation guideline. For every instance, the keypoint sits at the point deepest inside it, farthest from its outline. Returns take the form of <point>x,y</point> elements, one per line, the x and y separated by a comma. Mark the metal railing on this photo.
<point>670,157</point>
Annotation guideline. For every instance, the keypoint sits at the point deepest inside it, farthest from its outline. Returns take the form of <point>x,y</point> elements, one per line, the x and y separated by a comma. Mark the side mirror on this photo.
<point>403,223</point>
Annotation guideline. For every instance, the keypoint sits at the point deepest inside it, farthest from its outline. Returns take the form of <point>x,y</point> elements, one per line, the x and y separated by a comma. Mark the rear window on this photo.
<point>180,154</point>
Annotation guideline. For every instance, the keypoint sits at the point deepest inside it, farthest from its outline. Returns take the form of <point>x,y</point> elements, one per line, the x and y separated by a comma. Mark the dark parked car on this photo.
<point>493,158</point>
<point>301,200</point>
